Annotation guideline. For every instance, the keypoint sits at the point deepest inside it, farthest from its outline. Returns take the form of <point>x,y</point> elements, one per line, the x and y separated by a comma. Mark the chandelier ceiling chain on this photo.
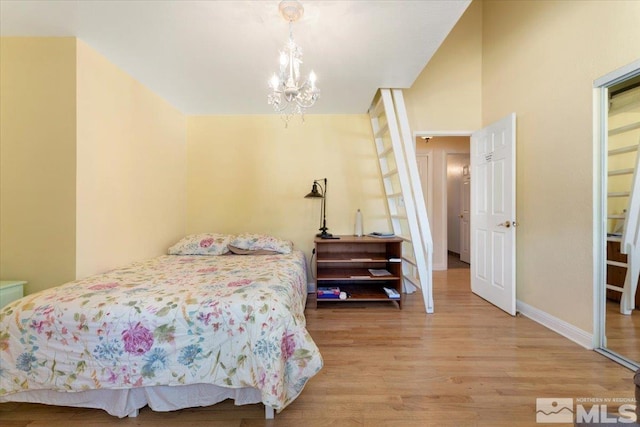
<point>289,96</point>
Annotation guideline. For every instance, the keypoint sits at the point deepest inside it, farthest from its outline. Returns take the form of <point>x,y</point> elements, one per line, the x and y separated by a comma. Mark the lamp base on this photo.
<point>325,235</point>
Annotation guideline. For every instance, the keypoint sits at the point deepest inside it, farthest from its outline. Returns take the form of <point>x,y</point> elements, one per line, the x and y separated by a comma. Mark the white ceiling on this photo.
<point>216,57</point>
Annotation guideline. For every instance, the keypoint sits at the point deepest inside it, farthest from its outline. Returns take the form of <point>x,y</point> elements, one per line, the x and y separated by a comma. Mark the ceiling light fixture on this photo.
<point>289,95</point>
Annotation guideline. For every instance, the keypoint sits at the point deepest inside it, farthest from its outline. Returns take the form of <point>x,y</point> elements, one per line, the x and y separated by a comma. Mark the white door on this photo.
<point>493,213</point>
<point>465,216</point>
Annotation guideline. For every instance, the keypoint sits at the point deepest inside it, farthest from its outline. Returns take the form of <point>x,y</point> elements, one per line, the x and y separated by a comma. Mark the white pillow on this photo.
<point>255,242</point>
<point>202,244</point>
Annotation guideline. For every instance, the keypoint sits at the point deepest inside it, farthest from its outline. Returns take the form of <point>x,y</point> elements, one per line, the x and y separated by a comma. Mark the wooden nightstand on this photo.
<point>360,266</point>
<point>11,290</point>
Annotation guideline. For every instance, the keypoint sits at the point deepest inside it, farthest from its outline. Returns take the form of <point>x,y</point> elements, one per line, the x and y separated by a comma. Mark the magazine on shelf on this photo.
<point>381,235</point>
<point>378,272</point>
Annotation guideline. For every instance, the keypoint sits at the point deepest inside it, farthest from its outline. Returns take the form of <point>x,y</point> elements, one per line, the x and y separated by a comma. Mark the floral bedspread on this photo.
<point>229,320</point>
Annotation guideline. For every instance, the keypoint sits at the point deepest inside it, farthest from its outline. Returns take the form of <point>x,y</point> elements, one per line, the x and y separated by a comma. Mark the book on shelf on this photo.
<point>392,293</point>
<point>381,235</point>
<point>328,292</point>
<point>379,272</point>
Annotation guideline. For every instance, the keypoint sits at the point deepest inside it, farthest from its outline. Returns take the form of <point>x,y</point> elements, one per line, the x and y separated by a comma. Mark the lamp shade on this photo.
<point>314,192</point>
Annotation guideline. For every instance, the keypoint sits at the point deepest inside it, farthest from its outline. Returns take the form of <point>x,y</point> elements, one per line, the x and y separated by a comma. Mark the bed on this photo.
<point>188,329</point>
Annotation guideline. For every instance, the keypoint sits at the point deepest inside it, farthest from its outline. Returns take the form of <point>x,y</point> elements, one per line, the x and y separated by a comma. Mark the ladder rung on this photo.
<point>378,109</point>
<point>615,288</point>
<point>626,171</point>
<point>385,152</point>
<point>623,150</point>
<point>619,194</point>
<point>394,195</point>
<point>390,173</point>
<point>396,216</point>
<point>623,129</point>
<point>616,216</point>
<point>382,131</point>
<point>413,280</point>
<point>409,260</point>
<point>617,264</point>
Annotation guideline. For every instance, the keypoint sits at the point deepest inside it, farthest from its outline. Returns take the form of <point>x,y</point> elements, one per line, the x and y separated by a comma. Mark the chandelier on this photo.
<point>289,95</point>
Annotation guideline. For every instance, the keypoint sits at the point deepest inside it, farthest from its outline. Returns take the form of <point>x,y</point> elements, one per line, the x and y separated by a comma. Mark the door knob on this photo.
<point>506,224</point>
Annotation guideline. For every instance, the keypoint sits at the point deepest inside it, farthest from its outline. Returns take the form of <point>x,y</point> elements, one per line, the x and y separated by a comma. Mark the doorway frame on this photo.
<point>600,139</point>
<point>429,202</point>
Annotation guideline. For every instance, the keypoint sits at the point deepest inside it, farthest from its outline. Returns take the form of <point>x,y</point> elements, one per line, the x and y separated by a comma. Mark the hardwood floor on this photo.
<point>453,261</point>
<point>623,331</point>
<point>469,364</point>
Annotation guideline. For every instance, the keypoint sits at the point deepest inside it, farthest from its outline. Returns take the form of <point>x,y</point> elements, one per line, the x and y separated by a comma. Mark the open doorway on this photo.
<point>441,160</point>
<point>493,209</point>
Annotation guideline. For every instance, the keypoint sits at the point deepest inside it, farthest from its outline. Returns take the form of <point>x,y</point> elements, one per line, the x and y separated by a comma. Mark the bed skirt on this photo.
<point>127,402</point>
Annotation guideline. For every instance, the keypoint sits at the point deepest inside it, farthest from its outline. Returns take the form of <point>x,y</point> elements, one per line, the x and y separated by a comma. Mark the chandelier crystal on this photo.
<point>289,95</point>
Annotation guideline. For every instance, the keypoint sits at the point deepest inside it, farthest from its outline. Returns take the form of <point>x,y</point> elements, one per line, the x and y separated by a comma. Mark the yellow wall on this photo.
<point>37,160</point>
<point>446,96</point>
<point>447,93</point>
<point>540,60</point>
<point>131,191</point>
<point>249,173</point>
<point>93,164</point>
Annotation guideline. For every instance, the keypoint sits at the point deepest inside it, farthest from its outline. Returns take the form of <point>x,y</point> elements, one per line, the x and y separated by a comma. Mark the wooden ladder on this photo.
<point>403,192</point>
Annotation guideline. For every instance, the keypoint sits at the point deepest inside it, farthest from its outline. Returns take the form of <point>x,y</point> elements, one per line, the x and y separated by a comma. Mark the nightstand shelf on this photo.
<point>350,273</point>
<point>346,263</point>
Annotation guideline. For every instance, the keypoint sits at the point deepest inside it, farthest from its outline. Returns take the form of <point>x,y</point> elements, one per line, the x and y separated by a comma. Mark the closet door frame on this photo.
<point>600,134</point>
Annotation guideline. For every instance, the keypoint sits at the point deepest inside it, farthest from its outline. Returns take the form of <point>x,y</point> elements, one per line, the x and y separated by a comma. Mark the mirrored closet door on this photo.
<point>621,300</point>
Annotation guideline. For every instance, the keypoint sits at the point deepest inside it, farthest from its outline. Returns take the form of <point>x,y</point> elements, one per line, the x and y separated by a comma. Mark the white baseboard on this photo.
<point>567,330</point>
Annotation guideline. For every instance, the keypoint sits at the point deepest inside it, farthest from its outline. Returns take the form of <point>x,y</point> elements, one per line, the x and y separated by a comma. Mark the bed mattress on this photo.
<point>233,322</point>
